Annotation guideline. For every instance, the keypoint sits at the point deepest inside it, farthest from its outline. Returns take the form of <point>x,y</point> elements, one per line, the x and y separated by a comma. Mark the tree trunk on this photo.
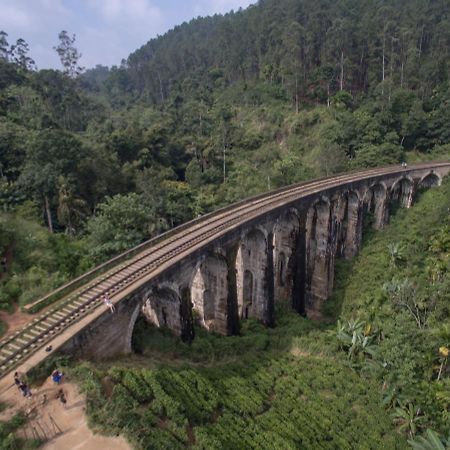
<point>224,155</point>
<point>420,42</point>
<point>391,70</point>
<point>341,81</point>
<point>383,64</point>
<point>49,214</point>
<point>161,92</point>
<point>401,75</point>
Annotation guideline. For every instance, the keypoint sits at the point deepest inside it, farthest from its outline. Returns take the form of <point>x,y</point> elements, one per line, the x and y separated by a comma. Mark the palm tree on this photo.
<point>395,254</point>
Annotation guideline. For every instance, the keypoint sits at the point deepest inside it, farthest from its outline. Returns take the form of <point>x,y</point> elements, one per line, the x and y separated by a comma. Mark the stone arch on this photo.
<point>209,292</point>
<point>375,200</point>
<point>402,192</point>
<point>251,279</point>
<point>285,235</point>
<point>430,180</point>
<point>130,328</point>
<point>162,308</point>
<point>318,256</point>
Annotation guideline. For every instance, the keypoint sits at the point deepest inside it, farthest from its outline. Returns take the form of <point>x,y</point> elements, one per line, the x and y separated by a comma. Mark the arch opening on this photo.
<point>160,311</point>
<point>429,181</point>
<point>285,235</point>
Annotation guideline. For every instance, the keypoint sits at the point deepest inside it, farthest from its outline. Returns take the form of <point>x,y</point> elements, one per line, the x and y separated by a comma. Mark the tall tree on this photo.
<point>51,154</point>
<point>4,46</point>
<point>68,54</point>
<point>19,55</point>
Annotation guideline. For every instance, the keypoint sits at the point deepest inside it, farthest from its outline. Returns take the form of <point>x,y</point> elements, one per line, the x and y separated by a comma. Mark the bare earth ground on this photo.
<point>63,428</point>
<point>16,320</point>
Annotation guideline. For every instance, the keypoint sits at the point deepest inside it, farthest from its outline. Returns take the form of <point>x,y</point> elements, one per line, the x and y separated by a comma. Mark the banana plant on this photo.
<point>409,418</point>
<point>430,441</point>
<point>355,338</point>
<point>395,254</point>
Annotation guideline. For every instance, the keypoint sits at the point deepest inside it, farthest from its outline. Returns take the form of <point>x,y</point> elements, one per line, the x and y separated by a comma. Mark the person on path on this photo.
<point>57,376</point>
<point>26,391</point>
<point>62,397</point>
<point>107,301</point>
<point>17,381</point>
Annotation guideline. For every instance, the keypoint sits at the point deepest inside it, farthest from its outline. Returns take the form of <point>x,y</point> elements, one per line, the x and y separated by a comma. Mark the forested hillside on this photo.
<point>93,162</point>
<point>213,111</point>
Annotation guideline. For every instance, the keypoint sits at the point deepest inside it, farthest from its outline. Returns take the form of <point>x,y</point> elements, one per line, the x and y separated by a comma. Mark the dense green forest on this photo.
<point>214,110</point>
<point>93,162</point>
<point>373,375</point>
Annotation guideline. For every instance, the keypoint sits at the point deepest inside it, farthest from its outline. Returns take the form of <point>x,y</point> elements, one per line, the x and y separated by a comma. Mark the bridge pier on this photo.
<point>353,226</point>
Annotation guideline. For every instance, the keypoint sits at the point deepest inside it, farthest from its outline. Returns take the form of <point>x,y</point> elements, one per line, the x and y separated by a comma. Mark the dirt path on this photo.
<point>63,428</point>
<point>16,320</point>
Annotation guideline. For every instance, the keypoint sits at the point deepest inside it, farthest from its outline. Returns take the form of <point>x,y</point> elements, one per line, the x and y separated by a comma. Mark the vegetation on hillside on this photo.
<point>215,110</point>
<point>8,437</point>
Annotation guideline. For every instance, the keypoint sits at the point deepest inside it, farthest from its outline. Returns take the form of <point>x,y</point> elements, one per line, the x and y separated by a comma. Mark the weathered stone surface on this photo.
<point>109,335</point>
<point>162,309</point>
<point>318,256</point>
<point>352,226</point>
<point>375,202</point>
<point>251,264</point>
<point>209,294</point>
<point>284,240</point>
<point>402,192</point>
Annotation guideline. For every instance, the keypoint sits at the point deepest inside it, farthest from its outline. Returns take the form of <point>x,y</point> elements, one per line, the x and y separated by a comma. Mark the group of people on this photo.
<point>57,377</point>
<point>22,386</point>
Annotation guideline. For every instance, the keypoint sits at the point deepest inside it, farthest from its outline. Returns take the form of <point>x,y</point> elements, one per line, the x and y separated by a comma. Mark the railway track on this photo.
<point>17,347</point>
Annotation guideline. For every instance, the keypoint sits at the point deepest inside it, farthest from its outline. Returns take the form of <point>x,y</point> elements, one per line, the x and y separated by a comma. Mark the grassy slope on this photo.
<point>410,354</point>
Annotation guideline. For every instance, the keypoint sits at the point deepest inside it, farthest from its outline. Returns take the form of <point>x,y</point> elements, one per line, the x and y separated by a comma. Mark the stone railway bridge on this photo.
<point>233,264</point>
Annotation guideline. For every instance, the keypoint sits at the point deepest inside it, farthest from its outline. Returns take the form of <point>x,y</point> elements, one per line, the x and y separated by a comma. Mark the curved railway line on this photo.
<point>18,346</point>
